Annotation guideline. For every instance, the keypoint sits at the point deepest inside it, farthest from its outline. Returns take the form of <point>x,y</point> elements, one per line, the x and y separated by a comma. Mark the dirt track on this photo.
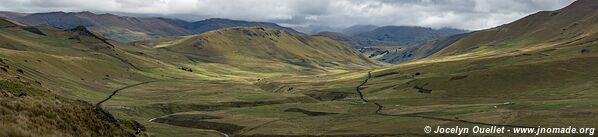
<point>123,88</point>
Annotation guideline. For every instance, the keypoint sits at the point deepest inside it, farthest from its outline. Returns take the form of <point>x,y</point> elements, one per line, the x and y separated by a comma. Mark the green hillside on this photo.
<point>251,49</point>
<point>32,92</point>
<point>572,25</point>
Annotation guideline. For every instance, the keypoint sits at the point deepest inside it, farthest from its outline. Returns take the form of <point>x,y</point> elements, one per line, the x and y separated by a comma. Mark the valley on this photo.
<point>263,80</point>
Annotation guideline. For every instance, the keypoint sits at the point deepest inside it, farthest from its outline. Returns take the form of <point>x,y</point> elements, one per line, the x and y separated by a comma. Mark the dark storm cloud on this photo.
<point>465,14</point>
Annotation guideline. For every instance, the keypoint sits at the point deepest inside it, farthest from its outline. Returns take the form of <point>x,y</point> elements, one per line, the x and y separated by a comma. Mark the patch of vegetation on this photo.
<point>34,30</point>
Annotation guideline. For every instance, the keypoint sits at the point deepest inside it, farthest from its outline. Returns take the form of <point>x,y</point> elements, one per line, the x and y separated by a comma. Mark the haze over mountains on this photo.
<point>362,36</point>
<point>221,77</point>
<point>396,44</point>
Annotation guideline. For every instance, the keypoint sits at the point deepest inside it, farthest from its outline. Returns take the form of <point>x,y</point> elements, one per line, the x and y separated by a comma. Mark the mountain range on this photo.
<point>357,29</point>
<point>127,29</point>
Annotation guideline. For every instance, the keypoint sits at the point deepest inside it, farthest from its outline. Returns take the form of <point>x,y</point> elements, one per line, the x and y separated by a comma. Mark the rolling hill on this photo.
<point>127,29</point>
<point>281,50</point>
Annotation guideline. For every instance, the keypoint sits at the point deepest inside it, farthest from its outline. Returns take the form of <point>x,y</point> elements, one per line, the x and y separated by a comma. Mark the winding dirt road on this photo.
<point>358,89</point>
<point>123,88</point>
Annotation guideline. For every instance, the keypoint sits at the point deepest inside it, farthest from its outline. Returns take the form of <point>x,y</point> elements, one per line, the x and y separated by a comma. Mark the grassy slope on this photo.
<point>67,65</point>
<point>27,110</point>
<point>570,25</point>
<point>249,48</point>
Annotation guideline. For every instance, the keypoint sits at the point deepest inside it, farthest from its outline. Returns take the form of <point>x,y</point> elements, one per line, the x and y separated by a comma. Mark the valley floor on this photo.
<point>512,91</point>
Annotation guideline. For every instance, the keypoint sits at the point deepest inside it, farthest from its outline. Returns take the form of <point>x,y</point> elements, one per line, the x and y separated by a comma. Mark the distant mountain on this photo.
<point>218,23</point>
<point>370,35</point>
<point>10,15</point>
<point>417,51</point>
<point>356,29</point>
<point>315,29</point>
<point>128,29</point>
<point>408,34</point>
<point>354,41</point>
<point>112,26</point>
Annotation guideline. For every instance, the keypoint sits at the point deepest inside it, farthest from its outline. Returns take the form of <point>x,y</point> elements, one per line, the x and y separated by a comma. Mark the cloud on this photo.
<point>465,14</point>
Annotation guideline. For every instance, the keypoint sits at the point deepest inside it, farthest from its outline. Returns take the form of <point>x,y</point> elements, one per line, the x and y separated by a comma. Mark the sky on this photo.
<point>306,14</point>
